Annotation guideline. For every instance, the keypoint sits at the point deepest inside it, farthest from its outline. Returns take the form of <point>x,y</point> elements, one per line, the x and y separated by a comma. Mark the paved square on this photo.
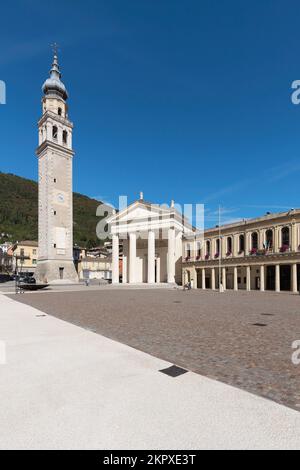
<point>216,335</point>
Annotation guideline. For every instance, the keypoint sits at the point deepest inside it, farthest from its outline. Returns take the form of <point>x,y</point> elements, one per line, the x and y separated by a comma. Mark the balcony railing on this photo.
<point>242,253</point>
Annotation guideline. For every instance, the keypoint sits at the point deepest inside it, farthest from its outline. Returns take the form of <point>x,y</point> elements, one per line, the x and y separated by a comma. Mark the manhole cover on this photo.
<point>174,371</point>
<point>259,324</point>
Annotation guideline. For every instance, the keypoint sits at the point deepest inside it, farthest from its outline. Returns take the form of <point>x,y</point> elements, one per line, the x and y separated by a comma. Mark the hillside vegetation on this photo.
<point>19,212</point>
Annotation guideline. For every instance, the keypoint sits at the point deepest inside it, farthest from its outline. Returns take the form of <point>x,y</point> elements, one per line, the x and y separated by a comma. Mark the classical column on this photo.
<point>294,278</point>
<point>235,278</point>
<point>132,257</point>
<point>203,279</point>
<point>213,278</point>
<point>194,274</point>
<point>236,244</point>
<point>294,244</point>
<point>157,270</point>
<point>115,259</point>
<point>124,269</point>
<point>151,257</point>
<point>276,241</point>
<point>224,278</point>
<point>247,246</point>
<point>261,238</point>
<point>277,278</point>
<point>171,255</point>
<point>248,278</point>
<point>262,278</point>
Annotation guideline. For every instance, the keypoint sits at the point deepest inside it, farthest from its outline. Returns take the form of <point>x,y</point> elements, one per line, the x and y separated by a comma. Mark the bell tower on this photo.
<point>55,159</point>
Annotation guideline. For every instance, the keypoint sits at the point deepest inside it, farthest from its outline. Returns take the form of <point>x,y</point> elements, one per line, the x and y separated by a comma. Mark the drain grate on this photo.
<point>174,371</point>
<point>268,314</point>
<point>177,302</point>
<point>259,324</point>
<point>41,315</point>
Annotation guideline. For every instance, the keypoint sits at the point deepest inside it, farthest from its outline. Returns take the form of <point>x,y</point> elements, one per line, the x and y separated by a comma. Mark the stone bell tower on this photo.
<point>55,155</point>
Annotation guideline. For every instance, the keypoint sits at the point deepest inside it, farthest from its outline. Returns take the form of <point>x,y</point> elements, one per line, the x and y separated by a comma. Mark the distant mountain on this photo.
<point>19,212</point>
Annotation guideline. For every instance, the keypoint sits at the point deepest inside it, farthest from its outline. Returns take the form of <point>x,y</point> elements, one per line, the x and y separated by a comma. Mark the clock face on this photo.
<point>60,198</point>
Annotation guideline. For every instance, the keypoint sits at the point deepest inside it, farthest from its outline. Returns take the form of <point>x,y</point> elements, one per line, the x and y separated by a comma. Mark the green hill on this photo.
<point>19,212</point>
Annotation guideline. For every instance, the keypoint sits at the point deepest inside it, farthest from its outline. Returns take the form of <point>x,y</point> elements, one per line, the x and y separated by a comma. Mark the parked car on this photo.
<point>25,279</point>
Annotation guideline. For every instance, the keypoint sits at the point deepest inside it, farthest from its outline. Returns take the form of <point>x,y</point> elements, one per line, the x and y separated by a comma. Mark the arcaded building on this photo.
<point>256,254</point>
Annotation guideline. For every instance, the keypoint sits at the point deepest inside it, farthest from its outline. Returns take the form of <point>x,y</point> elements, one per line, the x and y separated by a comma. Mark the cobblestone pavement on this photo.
<point>209,333</point>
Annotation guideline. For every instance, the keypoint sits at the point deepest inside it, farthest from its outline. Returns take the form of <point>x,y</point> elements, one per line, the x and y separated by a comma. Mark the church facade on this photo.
<point>152,238</point>
<point>55,159</point>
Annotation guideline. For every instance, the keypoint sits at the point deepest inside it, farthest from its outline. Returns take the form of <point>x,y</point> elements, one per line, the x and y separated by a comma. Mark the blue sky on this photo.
<point>187,100</point>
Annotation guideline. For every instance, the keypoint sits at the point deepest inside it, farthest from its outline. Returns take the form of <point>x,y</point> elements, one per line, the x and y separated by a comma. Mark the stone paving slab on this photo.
<point>206,332</point>
<point>67,388</point>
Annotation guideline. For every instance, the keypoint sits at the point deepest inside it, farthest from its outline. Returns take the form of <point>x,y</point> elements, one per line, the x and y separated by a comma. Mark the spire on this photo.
<point>54,72</point>
<point>53,86</point>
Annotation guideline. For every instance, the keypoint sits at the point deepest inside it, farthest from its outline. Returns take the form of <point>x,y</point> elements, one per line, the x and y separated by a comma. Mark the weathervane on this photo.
<point>55,48</point>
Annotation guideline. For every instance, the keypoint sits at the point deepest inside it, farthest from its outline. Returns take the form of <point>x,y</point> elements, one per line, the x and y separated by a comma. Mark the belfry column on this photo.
<point>115,259</point>
<point>132,257</point>
<point>55,154</point>
<point>151,257</point>
<point>171,255</point>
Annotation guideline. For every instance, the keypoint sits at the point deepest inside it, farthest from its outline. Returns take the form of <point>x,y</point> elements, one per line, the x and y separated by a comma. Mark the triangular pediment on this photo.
<point>138,211</point>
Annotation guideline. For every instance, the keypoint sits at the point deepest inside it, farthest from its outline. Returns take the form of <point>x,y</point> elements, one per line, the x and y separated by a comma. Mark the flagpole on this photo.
<point>220,249</point>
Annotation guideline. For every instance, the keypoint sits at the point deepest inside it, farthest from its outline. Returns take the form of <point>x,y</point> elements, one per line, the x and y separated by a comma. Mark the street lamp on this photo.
<point>22,258</point>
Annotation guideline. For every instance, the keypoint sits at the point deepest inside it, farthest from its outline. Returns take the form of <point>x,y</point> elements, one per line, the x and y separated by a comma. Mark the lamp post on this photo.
<point>22,258</point>
<point>221,287</point>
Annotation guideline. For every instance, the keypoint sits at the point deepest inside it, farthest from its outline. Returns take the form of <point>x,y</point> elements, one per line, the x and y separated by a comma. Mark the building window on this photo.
<point>34,252</point>
<point>59,111</point>
<point>241,244</point>
<point>269,239</point>
<point>54,212</point>
<point>229,246</point>
<point>198,250</point>
<point>54,245</point>
<point>188,251</point>
<point>217,248</point>
<point>254,241</point>
<point>54,132</point>
<point>34,261</point>
<point>22,252</point>
<point>65,137</point>
<point>54,180</point>
<point>286,236</point>
<point>207,249</point>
